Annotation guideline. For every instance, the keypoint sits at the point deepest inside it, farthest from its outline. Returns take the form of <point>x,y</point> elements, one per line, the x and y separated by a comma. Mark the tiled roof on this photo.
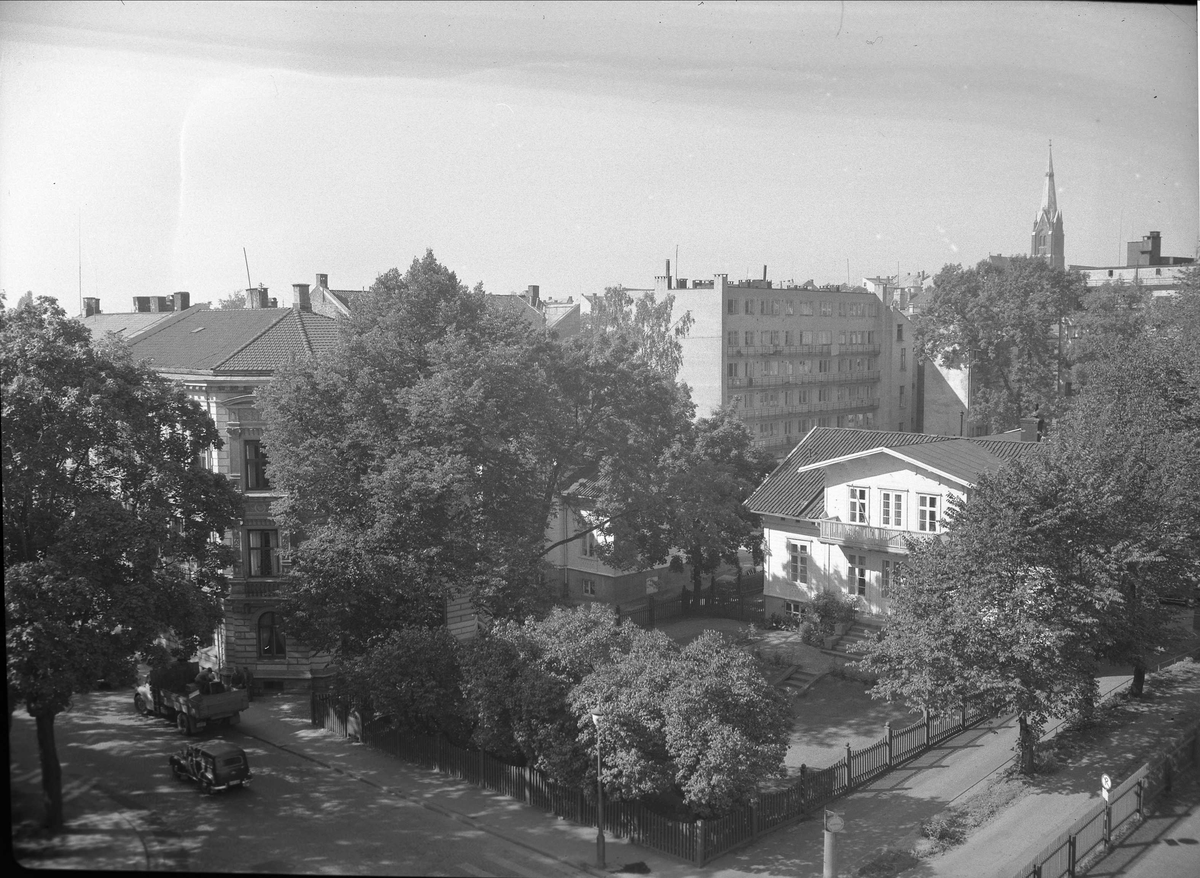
<point>236,340</point>
<point>801,494</point>
<point>128,325</point>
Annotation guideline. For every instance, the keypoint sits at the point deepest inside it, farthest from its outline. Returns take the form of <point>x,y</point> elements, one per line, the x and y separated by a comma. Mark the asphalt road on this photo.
<point>294,817</point>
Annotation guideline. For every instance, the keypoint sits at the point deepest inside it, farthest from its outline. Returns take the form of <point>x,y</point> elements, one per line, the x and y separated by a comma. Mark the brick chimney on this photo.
<point>532,295</point>
<point>183,300</point>
<point>256,297</point>
<point>90,306</point>
<point>300,298</point>
<point>323,281</point>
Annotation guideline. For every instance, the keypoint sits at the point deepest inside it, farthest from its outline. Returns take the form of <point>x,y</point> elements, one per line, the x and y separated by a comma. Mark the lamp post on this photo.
<point>596,717</point>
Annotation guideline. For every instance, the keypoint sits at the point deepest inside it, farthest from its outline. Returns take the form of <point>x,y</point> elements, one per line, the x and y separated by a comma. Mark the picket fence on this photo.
<point>698,841</point>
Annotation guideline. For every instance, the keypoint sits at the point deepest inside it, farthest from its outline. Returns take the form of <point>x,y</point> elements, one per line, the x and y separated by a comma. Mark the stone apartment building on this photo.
<point>221,358</point>
<point>791,357</point>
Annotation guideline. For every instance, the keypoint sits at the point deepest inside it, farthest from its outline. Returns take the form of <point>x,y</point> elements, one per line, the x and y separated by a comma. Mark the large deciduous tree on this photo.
<point>1005,323</point>
<point>422,458</point>
<point>109,520</point>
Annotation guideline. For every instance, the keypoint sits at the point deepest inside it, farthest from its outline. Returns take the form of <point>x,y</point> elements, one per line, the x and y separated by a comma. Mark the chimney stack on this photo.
<point>182,300</point>
<point>669,287</point>
<point>532,295</point>
<point>764,272</point>
<point>90,306</point>
<point>300,298</point>
<point>256,297</point>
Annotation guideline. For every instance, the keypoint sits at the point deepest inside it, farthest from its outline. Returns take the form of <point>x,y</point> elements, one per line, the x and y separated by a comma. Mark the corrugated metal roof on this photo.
<point>802,494</point>
<point>791,493</point>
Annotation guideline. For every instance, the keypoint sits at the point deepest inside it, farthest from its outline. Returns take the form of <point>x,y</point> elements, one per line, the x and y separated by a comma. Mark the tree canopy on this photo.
<point>1062,559</point>
<point>423,456</point>
<point>108,517</point>
<point>1004,322</point>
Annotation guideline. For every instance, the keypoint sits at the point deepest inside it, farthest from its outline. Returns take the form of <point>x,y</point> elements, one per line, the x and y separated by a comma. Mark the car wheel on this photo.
<point>139,704</point>
<point>178,772</point>
<point>206,786</point>
<point>185,724</point>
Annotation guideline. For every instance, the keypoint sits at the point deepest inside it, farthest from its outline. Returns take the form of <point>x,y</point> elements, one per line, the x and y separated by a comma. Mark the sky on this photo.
<point>144,146</point>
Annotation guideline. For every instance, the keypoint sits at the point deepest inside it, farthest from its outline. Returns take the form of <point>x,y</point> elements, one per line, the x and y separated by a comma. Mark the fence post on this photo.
<point>1140,801</point>
<point>925,713</point>
<point>887,732</point>
<point>1071,840</point>
<point>962,716</point>
<point>849,771</point>
<point>1107,826</point>
<point>482,773</point>
<point>754,815</point>
<point>700,842</point>
<point>650,612</point>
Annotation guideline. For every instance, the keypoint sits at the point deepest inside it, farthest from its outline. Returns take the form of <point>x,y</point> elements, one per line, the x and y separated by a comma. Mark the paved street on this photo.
<point>296,815</point>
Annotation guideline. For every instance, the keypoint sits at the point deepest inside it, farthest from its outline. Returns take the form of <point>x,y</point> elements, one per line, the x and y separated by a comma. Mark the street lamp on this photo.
<point>596,717</point>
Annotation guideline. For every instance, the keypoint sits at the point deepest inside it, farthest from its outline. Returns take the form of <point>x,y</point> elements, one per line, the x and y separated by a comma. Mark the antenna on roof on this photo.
<point>249,283</point>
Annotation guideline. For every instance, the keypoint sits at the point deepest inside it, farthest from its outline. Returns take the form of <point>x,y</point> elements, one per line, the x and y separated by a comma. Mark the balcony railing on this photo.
<point>842,534</point>
<point>255,588</point>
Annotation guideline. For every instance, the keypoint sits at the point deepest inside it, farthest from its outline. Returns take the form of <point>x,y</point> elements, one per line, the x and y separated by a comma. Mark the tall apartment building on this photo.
<point>791,357</point>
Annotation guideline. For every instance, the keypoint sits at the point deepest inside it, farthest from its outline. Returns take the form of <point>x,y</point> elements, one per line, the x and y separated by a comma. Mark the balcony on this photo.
<point>861,536</point>
<point>255,588</point>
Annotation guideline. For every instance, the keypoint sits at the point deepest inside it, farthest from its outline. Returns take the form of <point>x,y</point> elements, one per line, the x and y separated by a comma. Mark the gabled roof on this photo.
<point>236,341</point>
<point>959,460</point>
<point>796,488</point>
<point>788,491</point>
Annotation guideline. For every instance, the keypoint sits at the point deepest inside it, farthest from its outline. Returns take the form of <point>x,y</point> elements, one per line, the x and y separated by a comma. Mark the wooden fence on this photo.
<point>696,841</point>
<point>743,606</point>
<point>1096,828</point>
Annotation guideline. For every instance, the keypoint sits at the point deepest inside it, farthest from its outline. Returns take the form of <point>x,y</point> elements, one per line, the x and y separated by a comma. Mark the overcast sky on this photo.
<point>577,146</point>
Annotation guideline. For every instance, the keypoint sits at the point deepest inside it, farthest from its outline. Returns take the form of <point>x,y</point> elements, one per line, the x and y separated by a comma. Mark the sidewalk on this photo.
<point>882,813</point>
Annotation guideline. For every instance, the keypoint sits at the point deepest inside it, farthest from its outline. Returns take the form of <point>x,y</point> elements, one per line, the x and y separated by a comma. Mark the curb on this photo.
<point>430,806</point>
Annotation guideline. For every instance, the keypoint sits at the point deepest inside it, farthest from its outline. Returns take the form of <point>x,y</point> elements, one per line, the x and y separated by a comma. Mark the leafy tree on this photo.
<point>647,320</point>
<point>424,456</point>
<point>699,721</point>
<point>235,300</point>
<point>108,519</point>
<point>714,469</point>
<point>414,678</point>
<point>1004,322</point>
<point>986,613</point>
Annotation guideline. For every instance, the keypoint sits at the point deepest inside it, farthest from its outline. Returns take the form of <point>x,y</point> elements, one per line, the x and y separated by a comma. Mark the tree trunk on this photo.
<point>51,772</point>
<point>1028,746</point>
<point>1137,687</point>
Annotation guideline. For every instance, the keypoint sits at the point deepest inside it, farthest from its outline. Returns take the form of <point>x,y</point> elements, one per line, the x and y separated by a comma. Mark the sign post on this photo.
<point>833,825</point>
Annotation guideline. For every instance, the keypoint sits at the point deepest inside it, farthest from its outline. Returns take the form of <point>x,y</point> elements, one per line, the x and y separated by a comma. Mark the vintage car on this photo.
<point>216,765</point>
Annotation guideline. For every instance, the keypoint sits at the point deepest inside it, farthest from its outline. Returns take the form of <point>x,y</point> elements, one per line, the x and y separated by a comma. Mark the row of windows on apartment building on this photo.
<point>804,396</point>
<point>800,426</point>
<point>775,337</point>
<point>892,509</point>
<point>798,569</point>
<point>746,369</point>
<point>792,308</point>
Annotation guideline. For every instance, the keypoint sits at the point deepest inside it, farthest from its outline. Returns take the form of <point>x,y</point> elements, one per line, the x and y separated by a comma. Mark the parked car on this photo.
<point>215,765</point>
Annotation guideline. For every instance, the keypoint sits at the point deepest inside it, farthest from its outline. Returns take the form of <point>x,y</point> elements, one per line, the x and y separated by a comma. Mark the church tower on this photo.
<point>1047,241</point>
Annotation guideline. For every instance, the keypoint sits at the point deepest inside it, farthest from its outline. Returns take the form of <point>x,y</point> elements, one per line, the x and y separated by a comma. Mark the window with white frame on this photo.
<point>589,588</point>
<point>794,610</point>
<point>798,562</point>
<point>589,546</point>
<point>927,513</point>
<point>891,508</point>
<point>858,574</point>
<point>858,506</point>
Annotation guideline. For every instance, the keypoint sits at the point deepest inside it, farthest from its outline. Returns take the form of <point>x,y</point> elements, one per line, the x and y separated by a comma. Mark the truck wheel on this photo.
<point>139,704</point>
<point>185,724</point>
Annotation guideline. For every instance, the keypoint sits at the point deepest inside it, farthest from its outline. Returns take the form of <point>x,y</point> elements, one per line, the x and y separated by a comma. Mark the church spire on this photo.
<point>1048,239</point>
<point>1049,198</point>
